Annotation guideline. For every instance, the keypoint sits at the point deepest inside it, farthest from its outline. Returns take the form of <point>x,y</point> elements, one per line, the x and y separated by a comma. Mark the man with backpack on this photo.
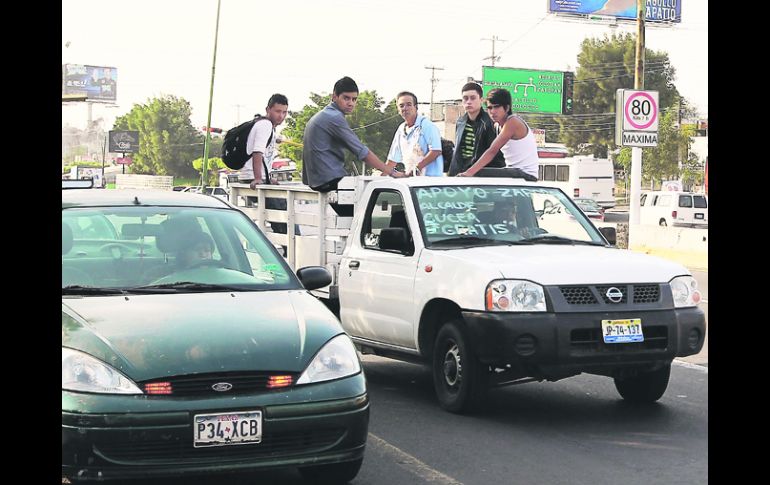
<point>260,144</point>
<point>417,141</point>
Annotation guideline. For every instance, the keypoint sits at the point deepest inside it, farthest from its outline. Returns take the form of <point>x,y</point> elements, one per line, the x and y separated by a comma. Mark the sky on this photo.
<point>296,47</point>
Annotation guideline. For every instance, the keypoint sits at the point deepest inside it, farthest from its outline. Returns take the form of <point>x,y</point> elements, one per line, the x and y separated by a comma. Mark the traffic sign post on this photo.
<point>636,118</point>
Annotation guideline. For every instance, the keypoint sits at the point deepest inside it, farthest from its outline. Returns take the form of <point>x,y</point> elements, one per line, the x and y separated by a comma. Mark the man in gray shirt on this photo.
<point>327,133</point>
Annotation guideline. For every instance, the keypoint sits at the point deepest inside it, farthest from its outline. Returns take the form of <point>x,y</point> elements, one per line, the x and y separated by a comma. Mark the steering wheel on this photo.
<point>207,262</point>
<point>121,247</point>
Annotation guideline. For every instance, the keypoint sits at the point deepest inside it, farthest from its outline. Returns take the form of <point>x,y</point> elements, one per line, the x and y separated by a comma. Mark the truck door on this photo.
<point>377,285</point>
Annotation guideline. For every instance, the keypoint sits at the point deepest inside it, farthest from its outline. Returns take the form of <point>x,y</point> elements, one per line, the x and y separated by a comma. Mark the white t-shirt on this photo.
<point>257,142</point>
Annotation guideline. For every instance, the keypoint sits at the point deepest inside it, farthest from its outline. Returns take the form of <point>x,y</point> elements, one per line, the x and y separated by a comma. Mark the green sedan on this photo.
<point>189,346</point>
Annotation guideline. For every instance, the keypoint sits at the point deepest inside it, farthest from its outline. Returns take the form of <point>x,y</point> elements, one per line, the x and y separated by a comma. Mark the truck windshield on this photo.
<point>500,213</point>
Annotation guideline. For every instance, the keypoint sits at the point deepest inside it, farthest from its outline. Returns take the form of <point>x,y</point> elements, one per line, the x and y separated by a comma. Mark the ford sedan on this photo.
<point>189,346</point>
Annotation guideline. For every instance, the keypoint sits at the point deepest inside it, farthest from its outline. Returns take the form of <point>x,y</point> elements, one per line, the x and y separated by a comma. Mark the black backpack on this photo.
<point>447,150</point>
<point>234,147</point>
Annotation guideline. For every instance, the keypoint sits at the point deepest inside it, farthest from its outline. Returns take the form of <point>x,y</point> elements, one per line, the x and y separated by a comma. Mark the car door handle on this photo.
<point>354,264</point>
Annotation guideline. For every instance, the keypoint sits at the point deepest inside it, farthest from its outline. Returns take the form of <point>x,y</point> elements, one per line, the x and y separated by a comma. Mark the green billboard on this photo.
<point>532,91</point>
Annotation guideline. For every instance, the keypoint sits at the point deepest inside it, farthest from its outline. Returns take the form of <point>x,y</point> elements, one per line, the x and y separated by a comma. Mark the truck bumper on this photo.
<point>555,345</point>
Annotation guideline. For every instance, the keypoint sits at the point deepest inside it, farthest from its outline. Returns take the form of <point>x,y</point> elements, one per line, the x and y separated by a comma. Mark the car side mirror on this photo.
<point>609,234</point>
<point>314,277</point>
<point>394,238</point>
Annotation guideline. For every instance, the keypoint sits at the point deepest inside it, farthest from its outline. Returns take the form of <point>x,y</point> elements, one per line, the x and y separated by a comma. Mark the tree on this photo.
<point>606,65</point>
<point>662,162</point>
<point>371,123</point>
<point>213,166</point>
<point>167,140</point>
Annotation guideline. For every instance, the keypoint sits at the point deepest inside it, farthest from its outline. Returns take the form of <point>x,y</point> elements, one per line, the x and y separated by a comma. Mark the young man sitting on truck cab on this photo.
<point>327,133</point>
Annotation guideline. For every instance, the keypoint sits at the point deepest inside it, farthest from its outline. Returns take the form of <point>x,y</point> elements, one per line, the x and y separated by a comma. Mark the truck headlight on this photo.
<point>685,291</point>
<point>515,296</point>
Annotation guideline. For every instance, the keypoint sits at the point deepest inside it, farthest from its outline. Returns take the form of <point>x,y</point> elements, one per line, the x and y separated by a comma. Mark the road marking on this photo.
<point>412,464</point>
<point>688,365</point>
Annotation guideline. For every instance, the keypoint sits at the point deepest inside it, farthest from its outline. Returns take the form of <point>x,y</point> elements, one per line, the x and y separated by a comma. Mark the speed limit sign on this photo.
<point>636,122</point>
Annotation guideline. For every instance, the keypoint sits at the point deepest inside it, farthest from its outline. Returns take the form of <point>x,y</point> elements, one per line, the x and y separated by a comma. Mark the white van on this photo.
<point>674,208</point>
<point>581,177</point>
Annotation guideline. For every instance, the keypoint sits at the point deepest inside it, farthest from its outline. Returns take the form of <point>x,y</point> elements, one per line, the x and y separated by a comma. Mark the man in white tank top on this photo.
<point>520,153</point>
<point>515,140</point>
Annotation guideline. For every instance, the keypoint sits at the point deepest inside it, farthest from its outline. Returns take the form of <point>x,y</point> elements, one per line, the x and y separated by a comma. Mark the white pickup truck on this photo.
<point>490,281</point>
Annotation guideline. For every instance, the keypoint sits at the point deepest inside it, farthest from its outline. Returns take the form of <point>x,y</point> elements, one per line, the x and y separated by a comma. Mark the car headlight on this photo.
<point>82,373</point>
<point>685,290</point>
<point>335,360</point>
<point>515,296</point>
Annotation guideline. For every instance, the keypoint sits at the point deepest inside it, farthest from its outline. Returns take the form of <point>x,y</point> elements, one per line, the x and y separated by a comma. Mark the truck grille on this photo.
<point>585,295</point>
<point>578,295</point>
<point>179,450</point>
<point>646,293</point>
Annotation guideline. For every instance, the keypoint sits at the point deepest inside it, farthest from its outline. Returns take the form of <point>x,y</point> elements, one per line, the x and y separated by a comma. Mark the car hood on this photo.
<point>551,264</point>
<point>152,336</point>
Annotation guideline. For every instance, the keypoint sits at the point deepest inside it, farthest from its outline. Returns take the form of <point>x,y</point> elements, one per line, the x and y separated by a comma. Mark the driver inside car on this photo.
<point>197,248</point>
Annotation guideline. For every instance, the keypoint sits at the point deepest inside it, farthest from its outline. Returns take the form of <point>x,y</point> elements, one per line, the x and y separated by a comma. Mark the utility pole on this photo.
<point>636,152</point>
<point>432,86</point>
<point>494,39</point>
<point>238,113</point>
<point>204,173</point>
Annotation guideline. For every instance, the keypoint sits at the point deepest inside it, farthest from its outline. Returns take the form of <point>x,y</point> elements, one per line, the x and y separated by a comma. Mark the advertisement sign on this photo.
<point>97,83</point>
<point>655,10</point>
<point>123,141</point>
<point>532,91</point>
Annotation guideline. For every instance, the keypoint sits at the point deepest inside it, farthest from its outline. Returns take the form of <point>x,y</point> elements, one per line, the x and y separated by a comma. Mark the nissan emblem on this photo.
<point>615,295</point>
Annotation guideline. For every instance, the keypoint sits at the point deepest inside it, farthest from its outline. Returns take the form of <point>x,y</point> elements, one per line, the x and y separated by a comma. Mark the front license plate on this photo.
<point>622,331</point>
<point>699,216</point>
<point>227,429</point>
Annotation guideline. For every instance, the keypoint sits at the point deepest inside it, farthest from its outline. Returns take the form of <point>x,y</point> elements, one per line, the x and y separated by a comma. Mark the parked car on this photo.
<point>674,208</point>
<point>179,188</point>
<point>189,346</point>
<point>591,209</point>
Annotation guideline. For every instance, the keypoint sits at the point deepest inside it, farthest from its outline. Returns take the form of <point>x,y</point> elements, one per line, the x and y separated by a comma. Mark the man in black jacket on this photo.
<point>475,133</point>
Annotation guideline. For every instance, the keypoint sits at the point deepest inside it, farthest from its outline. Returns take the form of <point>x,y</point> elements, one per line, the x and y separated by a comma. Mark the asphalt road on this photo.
<point>575,431</point>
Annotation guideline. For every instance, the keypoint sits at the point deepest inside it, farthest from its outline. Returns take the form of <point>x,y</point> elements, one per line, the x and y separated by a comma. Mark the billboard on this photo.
<point>97,83</point>
<point>123,141</point>
<point>655,10</point>
<point>532,91</point>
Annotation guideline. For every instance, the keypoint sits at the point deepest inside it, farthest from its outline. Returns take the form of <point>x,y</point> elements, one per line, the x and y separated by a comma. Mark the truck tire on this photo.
<point>460,380</point>
<point>644,388</point>
<point>335,473</point>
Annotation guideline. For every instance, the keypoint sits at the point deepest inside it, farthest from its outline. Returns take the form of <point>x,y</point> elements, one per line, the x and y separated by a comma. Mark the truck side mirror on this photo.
<point>394,238</point>
<point>314,277</point>
<point>609,234</point>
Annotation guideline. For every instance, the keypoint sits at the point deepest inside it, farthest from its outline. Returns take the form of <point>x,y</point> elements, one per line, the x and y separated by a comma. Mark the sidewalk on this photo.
<point>693,260</point>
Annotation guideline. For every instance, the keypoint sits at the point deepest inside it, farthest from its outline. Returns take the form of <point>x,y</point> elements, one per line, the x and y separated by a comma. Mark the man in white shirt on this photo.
<point>261,145</point>
<point>261,141</point>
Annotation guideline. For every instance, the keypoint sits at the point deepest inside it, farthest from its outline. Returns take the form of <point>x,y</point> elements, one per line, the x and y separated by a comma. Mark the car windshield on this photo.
<point>488,214</point>
<point>587,205</point>
<point>108,250</point>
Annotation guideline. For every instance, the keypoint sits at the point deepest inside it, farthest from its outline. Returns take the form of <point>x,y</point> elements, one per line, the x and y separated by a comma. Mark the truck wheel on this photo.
<point>459,378</point>
<point>662,222</point>
<point>644,388</point>
<point>335,473</point>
